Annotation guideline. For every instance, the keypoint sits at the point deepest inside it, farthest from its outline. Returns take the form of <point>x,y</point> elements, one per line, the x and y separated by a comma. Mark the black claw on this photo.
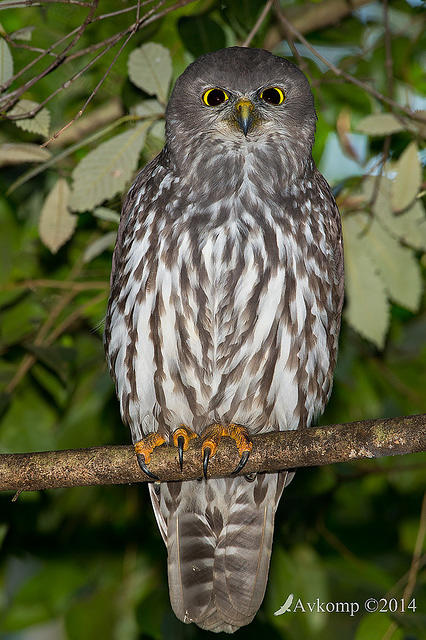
<point>207,452</point>
<point>242,462</point>
<point>181,442</point>
<point>141,462</point>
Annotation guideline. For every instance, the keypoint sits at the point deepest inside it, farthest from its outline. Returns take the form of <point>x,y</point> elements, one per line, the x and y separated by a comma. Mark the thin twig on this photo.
<point>27,47</point>
<point>388,49</point>
<point>340,73</point>
<point>93,92</point>
<point>53,65</point>
<point>103,78</point>
<point>29,359</point>
<point>69,320</point>
<point>300,61</point>
<point>68,58</point>
<point>396,588</point>
<point>28,66</point>
<point>11,98</point>
<point>56,284</point>
<point>414,567</point>
<point>389,82</point>
<point>70,150</point>
<point>36,3</point>
<point>258,23</point>
<point>70,81</point>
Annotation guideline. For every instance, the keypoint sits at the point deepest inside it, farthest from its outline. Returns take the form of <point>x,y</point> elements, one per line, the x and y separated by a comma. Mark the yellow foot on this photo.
<point>181,437</point>
<point>144,448</point>
<point>244,444</point>
<point>212,436</point>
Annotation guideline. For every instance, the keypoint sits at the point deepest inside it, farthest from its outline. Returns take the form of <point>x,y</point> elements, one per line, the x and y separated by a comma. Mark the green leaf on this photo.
<point>39,123</point>
<point>154,140</point>
<point>56,357</point>
<point>398,267</point>
<point>4,402</point>
<point>6,62</point>
<point>16,153</point>
<point>409,226</point>
<point>158,131</point>
<point>148,109</point>
<point>301,573</point>
<point>88,617</point>
<point>99,245</point>
<point>36,418</point>
<point>105,171</point>
<point>20,320</point>
<point>420,126</point>
<point>103,213</point>
<point>407,182</point>
<point>150,69</point>
<point>201,34</point>
<point>57,224</point>
<point>380,124</point>
<point>47,593</point>
<point>26,33</point>
<point>51,384</point>
<point>375,625</point>
<point>367,310</point>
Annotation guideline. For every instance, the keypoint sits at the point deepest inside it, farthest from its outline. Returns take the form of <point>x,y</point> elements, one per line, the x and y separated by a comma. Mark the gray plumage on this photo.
<point>225,304</point>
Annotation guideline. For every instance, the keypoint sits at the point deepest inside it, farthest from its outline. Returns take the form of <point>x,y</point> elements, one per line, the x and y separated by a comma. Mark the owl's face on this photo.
<point>237,99</point>
<point>233,111</point>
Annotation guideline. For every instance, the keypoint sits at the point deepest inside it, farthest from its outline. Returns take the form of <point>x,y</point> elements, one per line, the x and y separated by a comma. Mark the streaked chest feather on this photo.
<point>227,315</point>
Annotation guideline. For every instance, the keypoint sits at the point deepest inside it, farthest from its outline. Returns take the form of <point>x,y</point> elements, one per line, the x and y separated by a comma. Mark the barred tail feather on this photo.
<point>219,538</point>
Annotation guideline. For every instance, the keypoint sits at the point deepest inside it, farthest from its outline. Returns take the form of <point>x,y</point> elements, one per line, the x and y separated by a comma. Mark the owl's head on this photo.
<point>238,99</point>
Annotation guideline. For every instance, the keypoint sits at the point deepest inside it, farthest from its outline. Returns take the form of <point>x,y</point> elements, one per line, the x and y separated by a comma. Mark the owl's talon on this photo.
<point>143,450</point>
<point>242,439</point>
<point>242,462</point>
<point>207,452</point>
<point>181,443</point>
<point>181,437</point>
<point>212,436</point>
<point>141,461</point>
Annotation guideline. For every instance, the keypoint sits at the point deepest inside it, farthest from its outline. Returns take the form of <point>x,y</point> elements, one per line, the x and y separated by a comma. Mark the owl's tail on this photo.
<point>219,538</point>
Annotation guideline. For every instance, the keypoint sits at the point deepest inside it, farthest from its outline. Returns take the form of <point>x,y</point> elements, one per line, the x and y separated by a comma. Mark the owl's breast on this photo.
<point>239,301</point>
<point>224,322</point>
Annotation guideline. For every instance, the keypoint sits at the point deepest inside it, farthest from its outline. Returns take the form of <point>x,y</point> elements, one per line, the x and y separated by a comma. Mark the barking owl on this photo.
<point>224,313</point>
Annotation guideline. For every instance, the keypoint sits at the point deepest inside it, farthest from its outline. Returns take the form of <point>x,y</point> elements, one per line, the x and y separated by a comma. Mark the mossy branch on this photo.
<point>271,452</point>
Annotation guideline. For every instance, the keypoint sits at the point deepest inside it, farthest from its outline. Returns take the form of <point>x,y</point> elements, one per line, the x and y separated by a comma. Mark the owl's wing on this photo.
<point>219,540</point>
<point>129,209</point>
<point>335,240</point>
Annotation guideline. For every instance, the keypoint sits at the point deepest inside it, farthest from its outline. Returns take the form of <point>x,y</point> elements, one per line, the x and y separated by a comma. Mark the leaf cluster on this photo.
<point>79,563</point>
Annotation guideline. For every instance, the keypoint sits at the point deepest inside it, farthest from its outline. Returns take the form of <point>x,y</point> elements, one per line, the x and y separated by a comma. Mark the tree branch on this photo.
<point>289,27</point>
<point>266,9</point>
<point>271,452</point>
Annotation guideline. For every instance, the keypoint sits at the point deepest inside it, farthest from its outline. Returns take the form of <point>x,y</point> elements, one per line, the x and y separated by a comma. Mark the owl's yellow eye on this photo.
<point>272,95</point>
<point>214,97</point>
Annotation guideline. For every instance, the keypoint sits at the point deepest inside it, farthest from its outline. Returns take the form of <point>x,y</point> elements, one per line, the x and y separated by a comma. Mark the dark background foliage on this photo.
<point>89,562</point>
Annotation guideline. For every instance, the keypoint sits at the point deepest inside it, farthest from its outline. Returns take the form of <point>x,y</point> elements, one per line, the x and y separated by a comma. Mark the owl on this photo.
<point>224,314</point>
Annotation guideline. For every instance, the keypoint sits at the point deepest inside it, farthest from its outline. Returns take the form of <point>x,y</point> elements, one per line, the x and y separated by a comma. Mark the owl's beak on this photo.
<point>244,114</point>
